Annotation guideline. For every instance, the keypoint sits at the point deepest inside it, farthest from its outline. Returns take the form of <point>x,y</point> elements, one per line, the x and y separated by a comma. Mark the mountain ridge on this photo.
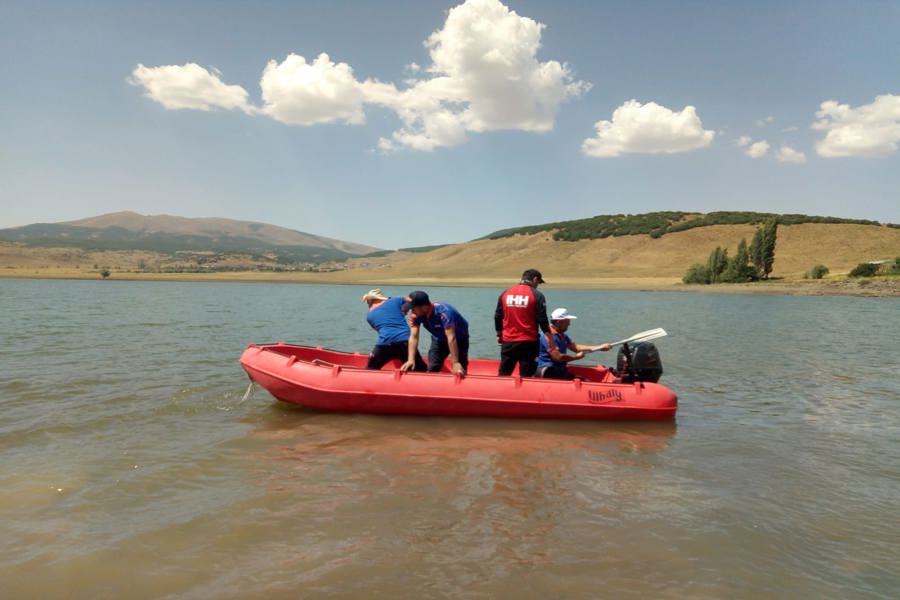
<point>126,230</point>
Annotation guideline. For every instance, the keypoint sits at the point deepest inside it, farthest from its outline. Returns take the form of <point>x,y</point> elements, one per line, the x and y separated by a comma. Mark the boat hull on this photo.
<point>338,382</point>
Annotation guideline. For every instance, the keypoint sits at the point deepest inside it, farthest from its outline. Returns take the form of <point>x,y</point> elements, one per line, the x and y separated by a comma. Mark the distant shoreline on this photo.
<point>888,287</point>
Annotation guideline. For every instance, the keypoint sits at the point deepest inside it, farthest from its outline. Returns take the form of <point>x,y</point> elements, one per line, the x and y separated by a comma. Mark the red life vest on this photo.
<point>519,307</point>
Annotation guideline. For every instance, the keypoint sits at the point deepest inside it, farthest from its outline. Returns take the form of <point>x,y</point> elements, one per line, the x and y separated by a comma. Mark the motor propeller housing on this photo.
<point>639,361</point>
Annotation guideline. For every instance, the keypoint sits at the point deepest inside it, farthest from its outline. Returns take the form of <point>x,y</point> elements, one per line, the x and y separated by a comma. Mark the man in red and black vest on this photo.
<point>521,311</point>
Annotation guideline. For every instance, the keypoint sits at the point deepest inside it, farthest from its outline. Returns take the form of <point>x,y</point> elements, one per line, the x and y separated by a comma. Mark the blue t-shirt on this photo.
<point>441,316</point>
<point>562,342</point>
<point>389,321</point>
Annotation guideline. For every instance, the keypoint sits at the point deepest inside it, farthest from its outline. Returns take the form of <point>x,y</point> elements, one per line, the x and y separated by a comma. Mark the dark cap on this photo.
<point>531,274</point>
<point>417,298</point>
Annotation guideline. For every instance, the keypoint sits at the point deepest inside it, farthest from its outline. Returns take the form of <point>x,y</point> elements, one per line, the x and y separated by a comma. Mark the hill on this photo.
<point>166,235</point>
<point>839,246</point>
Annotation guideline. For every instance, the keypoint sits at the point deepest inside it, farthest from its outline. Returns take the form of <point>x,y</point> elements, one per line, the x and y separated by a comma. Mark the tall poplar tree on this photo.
<point>762,248</point>
<point>718,260</point>
<point>756,255</point>
<point>770,232</point>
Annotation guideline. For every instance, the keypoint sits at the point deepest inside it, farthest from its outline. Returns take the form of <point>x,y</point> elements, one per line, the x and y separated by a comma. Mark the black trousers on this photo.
<point>555,372</point>
<point>523,353</point>
<point>385,353</point>
<point>440,350</point>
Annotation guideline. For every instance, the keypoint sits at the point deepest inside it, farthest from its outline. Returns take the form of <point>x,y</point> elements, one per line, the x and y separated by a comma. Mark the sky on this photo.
<point>406,123</point>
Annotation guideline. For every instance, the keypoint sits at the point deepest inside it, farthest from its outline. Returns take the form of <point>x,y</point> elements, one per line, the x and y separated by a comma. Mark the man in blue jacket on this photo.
<point>387,317</point>
<point>449,334</point>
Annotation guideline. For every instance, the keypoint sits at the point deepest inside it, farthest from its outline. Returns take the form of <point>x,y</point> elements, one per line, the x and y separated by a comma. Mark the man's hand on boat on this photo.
<point>456,368</point>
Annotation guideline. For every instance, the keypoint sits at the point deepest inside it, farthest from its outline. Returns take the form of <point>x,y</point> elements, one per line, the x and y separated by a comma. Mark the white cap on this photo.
<point>561,314</point>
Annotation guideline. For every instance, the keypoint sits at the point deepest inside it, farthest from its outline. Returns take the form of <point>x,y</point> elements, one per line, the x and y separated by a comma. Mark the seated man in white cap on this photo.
<point>388,318</point>
<point>553,358</point>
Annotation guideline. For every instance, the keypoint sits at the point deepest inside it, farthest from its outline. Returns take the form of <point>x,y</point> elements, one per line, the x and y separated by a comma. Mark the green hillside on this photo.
<point>657,224</point>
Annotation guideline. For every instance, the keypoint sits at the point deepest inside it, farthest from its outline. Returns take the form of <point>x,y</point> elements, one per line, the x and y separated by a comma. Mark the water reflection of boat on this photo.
<point>314,435</point>
<point>337,381</point>
<point>522,478</point>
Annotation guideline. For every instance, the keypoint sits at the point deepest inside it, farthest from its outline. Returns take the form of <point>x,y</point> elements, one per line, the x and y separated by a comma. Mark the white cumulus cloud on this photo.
<point>301,93</point>
<point>789,155</point>
<point>189,86</point>
<point>648,129</point>
<point>758,149</point>
<point>868,130</point>
<point>744,140</point>
<point>484,76</point>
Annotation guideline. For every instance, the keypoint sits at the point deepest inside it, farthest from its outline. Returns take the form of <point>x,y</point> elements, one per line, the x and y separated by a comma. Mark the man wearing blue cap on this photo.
<point>449,334</point>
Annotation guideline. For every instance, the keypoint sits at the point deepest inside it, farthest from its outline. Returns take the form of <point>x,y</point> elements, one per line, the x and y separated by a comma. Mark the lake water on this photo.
<point>131,467</point>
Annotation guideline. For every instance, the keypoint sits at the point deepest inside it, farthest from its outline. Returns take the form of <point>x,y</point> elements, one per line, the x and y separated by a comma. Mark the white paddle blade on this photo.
<point>644,336</point>
<point>654,336</point>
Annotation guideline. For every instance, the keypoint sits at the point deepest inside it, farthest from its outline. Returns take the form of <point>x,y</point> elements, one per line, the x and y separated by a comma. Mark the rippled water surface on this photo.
<point>131,467</point>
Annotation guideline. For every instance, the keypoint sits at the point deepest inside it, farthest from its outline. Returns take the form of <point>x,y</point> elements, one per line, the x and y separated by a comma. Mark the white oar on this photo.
<point>644,336</point>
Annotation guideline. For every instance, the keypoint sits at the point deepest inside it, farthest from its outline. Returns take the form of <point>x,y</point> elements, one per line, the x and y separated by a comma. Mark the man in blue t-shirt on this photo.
<point>553,359</point>
<point>387,317</point>
<point>449,334</point>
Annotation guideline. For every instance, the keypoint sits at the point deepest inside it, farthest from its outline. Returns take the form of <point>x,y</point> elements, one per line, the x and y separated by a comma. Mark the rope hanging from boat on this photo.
<point>248,392</point>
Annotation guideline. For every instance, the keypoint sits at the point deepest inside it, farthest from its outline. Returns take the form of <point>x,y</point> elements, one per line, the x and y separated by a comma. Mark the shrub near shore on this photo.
<point>817,272</point>
<point>872,269</point>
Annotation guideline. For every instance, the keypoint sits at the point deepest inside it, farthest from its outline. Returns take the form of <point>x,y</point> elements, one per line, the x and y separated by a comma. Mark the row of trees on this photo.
<point>748,263</point>
<point>742,218</point>
<point>657,224</point>
<point>601,226</point>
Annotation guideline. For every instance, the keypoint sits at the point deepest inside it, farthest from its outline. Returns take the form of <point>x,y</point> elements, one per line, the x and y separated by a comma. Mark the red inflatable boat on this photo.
<point>337,381</point>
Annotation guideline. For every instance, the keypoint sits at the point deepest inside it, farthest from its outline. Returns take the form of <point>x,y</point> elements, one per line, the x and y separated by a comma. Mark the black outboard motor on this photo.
<point>639,361</point>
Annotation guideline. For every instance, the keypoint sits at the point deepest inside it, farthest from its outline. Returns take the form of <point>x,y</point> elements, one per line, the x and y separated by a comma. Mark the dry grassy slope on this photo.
<point>799,247</point>
<point>16,256</point>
